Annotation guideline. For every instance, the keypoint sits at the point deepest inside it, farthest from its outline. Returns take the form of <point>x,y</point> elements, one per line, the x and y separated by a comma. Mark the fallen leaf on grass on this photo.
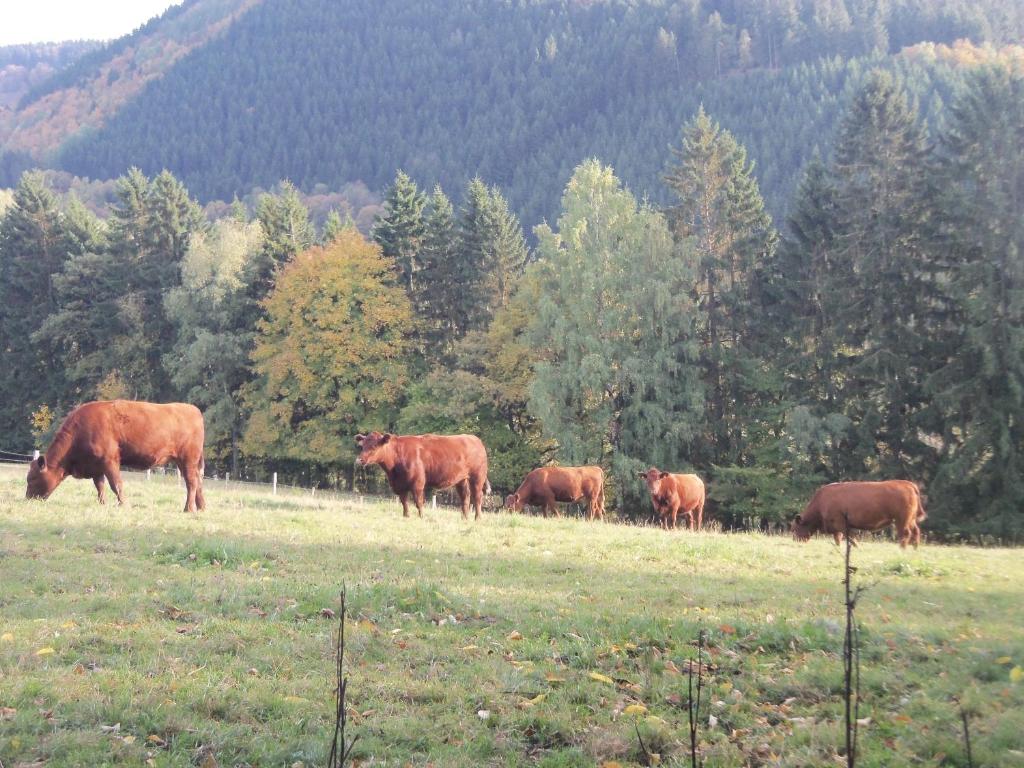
<point>635,709</point>
<point>7,713</point>
<point>45,651</point>
<point>1016,675</point>
<point>1003,660</point>
<point>728,629</point>
<point>601,678</point>
<point>514,635</point>
<point>468,648</point>
<point>156,740</point>
<point>7,637</point>
<point>527,703</point>
<point>129,739</point>
<point>553,678</point>
<point>295,699</point>
<point>611,764</point>
<point>327,613</point>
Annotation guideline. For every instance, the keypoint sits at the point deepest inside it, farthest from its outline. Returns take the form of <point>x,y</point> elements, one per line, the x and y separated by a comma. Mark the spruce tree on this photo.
<point>721,213</point>
<point>980,390</point>
<point>399,231</point>
<point>35,242</point>
<point>881,276</point>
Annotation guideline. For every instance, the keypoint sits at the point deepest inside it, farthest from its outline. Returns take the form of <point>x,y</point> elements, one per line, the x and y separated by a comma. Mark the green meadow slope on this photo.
<point>147,636</point>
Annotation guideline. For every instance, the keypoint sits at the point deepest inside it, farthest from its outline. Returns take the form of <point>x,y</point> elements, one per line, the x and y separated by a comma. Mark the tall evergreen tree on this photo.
<point>720,210</point>
<point>400,229</point>
<point>440,295</point>
<point>980,389</point>
<point>882,276</point>
<point>36,239</point>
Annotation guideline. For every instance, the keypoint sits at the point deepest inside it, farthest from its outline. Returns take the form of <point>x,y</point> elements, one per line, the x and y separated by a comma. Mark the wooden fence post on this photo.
<point>433,501</point>
<point>35,455</point>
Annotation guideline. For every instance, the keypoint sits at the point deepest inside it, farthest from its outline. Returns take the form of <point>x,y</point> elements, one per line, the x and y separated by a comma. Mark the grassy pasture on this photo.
<point>145,635</point>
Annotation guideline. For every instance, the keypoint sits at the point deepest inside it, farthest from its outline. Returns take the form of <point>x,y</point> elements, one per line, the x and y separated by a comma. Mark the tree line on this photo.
<point>876,333</point>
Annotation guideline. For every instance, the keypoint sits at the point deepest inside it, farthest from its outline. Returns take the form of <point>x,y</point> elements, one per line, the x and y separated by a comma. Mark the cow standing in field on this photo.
<point>673,493</point>
<point>864,506</point>
<point>97,439</point>
<point>414,463</point>
<point>546,485</point>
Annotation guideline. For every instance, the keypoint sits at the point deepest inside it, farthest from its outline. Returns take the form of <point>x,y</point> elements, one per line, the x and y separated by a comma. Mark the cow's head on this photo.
<point>653,478</point>
<point>513,502</point>
<point>42,479</point>
<point>374,447</point>
<point>801,530</point>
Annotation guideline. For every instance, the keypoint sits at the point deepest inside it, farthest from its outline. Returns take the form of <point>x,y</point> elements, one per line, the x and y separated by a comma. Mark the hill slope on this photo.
<point>515,641</point>
<point>319,91</point>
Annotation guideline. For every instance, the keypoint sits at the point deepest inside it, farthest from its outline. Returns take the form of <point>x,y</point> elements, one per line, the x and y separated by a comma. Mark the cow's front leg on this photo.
<point>113,474</point>
<point>404,498</point>
<point>675,518</point>
<point>101,488</point>
<point>838,536</point>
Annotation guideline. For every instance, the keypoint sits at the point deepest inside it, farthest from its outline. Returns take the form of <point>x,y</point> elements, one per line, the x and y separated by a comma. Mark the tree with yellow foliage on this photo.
<point>332,354</point>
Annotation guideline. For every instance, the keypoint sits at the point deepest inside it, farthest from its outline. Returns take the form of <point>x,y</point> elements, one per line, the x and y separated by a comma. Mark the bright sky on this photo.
<point>44,21</point>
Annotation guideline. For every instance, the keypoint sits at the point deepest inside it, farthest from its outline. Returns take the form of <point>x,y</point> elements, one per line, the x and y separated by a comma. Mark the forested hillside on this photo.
<point>23,67</point>
<point>329,92</point>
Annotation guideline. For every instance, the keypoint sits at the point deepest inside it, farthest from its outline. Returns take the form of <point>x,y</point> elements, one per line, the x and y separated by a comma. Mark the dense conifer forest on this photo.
<point>742,239</point>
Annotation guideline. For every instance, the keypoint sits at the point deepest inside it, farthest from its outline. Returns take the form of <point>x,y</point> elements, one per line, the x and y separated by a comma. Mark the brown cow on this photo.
<point>865,506</point>
<point>97,439</point>
<point>544,486</point>
<point>414,463</point>
<point>672,494</point>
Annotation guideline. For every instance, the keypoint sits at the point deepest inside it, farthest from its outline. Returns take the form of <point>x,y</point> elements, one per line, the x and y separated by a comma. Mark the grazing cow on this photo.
<point>672,494</point>
<point>865,506</point>
<point>97,439</point>
<point>544,486</point>
<point>414,463</point>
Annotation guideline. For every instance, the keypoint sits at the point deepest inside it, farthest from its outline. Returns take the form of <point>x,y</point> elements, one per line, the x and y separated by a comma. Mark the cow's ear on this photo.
<point>641,475</point>
<point>41,462</point>
<point>385,437</point>
<point>663,475</point>
<point>360,438</point>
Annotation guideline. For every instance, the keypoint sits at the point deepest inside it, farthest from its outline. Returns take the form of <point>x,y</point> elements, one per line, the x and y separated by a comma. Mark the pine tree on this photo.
<point>400,229</point>
<point>881,275</point>
<point>36,240</point>
<point>979,485</point>
<point>440,294</point>
<point>721,212</point>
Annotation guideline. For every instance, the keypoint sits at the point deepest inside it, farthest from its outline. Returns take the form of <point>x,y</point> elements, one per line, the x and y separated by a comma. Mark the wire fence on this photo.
<point>165,473</point>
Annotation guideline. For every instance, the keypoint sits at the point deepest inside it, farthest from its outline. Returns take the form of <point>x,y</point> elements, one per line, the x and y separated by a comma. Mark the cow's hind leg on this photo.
<point>101,488</point>
<point>404,498</point>
<point>463,490</point>
<point>419,496</point>
<point>113,475</point>
<point>699,512</point>
<point>477,487</point>
<point>192,478</point>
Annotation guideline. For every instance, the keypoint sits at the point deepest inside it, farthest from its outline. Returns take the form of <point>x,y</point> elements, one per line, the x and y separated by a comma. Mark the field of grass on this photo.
<point>143,635</point>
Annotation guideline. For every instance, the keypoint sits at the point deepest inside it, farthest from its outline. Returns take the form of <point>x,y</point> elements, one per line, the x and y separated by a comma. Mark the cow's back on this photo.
<point>443,459</point>
<point>689,489</point>
<point>137,434</point>
<point>866,505</point>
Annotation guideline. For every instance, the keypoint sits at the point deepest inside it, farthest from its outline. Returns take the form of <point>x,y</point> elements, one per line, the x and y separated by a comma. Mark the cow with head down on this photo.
<point>675,493</point>
<point>414,463</point>
<point>840,508</point>
<point>97,439</point>
<point>545,486</point>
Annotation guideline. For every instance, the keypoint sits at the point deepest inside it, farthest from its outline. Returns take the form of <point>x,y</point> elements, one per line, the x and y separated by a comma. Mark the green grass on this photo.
<point>175,637</point>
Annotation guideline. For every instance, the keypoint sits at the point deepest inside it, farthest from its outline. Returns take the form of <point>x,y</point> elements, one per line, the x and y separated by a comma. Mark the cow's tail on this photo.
<point>922,513</point>
<point>487,487</point>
